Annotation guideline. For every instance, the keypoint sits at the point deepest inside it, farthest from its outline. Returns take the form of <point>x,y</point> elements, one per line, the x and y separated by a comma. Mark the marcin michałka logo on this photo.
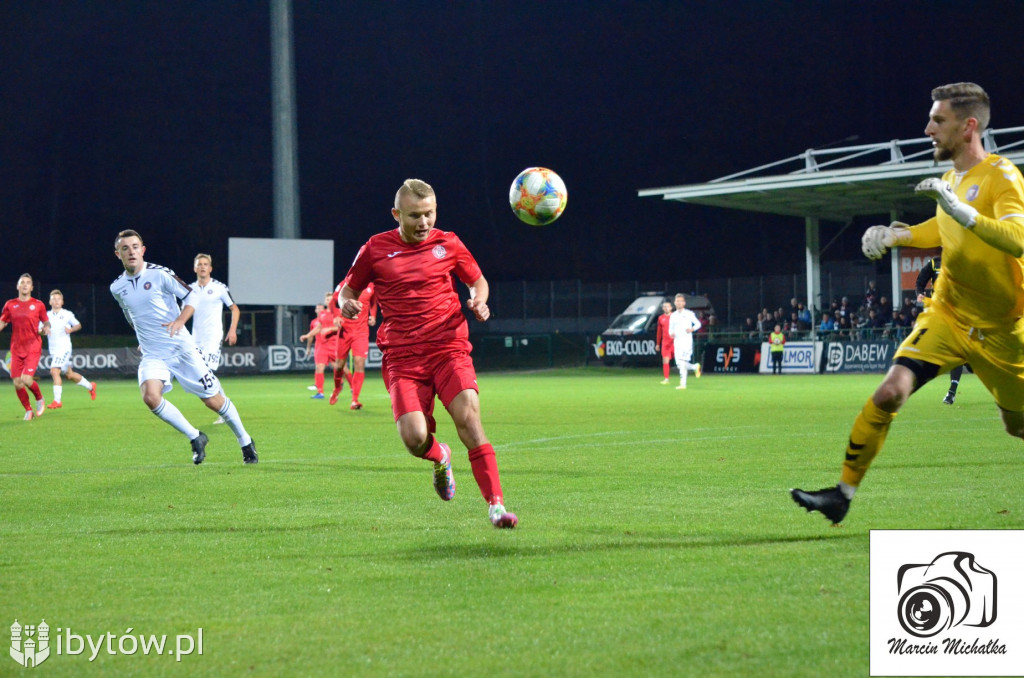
<point>946,603</point>
<point>951,590</point>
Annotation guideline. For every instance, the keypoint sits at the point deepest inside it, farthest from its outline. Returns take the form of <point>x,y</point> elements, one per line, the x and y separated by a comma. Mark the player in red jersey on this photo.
<point>355,338</point>
<point>663,341</point>
<point>425,337</point>
<point>325,329</point>
<point>28,320</point>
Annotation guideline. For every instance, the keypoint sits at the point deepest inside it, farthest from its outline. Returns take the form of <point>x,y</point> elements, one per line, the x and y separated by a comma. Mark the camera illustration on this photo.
<point>951,590</point>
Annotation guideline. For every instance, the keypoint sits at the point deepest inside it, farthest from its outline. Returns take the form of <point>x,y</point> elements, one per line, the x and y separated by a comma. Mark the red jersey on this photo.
<point>24,318</point>
<point>360,325</point>
<point>326,320</point>
<point>414,286</point>
<point>663,338</point>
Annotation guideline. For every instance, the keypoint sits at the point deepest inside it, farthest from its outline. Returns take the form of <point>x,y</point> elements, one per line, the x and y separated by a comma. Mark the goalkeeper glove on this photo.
<point>942,193</point>
<point>877,239</point>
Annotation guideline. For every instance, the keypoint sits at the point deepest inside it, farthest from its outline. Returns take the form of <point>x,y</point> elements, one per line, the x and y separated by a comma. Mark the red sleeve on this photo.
<point>361,273</point>
<point>43,318</point>
<point>332,305</point>
<point>466,267</point>
<point>5,316</point>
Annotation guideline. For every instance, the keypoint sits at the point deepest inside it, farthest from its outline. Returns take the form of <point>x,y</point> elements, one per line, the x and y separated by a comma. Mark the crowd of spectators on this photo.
<point>873,318</point>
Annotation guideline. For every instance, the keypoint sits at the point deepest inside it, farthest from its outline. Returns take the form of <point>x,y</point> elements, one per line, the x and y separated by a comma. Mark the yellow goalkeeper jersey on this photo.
<point>982,279</point>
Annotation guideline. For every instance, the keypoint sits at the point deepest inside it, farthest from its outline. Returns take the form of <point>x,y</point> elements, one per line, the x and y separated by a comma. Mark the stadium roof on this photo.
<point>834,184</point>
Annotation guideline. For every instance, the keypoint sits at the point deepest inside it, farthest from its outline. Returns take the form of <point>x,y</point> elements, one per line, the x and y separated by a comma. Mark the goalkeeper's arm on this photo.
<point>877,239</point>
<point>1006,235</point>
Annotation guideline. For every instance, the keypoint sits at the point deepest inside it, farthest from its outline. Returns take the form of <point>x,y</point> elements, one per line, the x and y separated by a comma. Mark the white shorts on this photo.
<point>211,356</point>
<point>684,351</point>
<point>188,368</point>
<point>61,361</point>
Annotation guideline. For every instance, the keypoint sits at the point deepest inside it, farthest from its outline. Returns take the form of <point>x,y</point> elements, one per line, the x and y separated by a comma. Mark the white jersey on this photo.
<point>678,323</point>
<point>150,299</point>
<point>208,321</point>
<point>59,341</point>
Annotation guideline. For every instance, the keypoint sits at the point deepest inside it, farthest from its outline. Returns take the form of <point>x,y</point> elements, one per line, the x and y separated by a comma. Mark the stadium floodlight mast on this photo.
<point>286,163</point>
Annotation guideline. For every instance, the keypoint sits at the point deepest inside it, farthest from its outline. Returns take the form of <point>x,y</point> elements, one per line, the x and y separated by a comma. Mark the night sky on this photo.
<point>156,115</point>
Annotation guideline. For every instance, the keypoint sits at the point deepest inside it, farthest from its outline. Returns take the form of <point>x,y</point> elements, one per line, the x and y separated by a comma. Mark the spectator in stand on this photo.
<point>764,319</point>
<point>792,326</point>
<point>844,325</point>
<point>885,310</point>
<point>877,325</point>
<point>908,305</point>
<point>804,316</point>
<point>871,295</point>
<point>845,308</point>
<point>712,325</point>
<point>863,324</point>
<point>828,323</point>
<point>750,327</point>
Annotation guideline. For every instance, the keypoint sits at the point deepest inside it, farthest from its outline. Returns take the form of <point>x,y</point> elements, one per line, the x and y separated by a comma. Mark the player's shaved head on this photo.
<point>967,100</point>
<point>416,187</point>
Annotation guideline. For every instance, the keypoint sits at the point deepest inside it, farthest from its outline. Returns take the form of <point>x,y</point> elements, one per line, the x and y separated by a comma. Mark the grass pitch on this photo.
<point>656,535</point>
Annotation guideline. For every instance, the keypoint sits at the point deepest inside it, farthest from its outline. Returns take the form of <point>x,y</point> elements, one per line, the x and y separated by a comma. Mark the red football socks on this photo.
<point>434,453</point>
<point>485,471</point>
<point>357,384</point>
<point>319,381</point>
<point>23,397</point>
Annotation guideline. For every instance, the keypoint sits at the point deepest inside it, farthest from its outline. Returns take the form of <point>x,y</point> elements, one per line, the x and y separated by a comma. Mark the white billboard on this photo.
<point>280,271</point>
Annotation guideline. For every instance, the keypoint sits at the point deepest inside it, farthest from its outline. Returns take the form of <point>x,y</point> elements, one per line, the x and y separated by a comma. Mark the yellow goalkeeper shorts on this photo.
<point>995,355</point>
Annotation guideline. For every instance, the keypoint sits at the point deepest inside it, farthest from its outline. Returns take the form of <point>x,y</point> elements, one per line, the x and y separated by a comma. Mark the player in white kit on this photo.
<point>681,326</point>
<point>62,323</point>
<point>211,295</point>
<point>150,296</point>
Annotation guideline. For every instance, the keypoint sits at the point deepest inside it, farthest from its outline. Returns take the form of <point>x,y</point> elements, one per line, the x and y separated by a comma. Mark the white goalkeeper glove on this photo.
<point>942,193</point>
<point>877,239</point>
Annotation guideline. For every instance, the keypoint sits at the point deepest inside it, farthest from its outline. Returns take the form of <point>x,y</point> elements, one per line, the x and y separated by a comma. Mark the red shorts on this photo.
<point>668,349</point>
<point>25,363</point>
<point>359,344</point>
<point>414,377</point>
<point>325,352</point>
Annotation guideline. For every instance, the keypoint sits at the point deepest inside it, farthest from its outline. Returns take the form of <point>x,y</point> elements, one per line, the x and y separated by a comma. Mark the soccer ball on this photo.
<point>538,196</point>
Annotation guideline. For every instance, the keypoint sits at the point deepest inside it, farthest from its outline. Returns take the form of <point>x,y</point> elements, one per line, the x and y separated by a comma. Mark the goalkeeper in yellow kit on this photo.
<point>975,313</point>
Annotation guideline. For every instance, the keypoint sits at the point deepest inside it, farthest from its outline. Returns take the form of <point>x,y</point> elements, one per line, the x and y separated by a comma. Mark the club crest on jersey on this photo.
<point>147,286</point>
<point>31,307</point>
<point>972,192</point>
<point>209,291</point>
<point>439,251</point>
